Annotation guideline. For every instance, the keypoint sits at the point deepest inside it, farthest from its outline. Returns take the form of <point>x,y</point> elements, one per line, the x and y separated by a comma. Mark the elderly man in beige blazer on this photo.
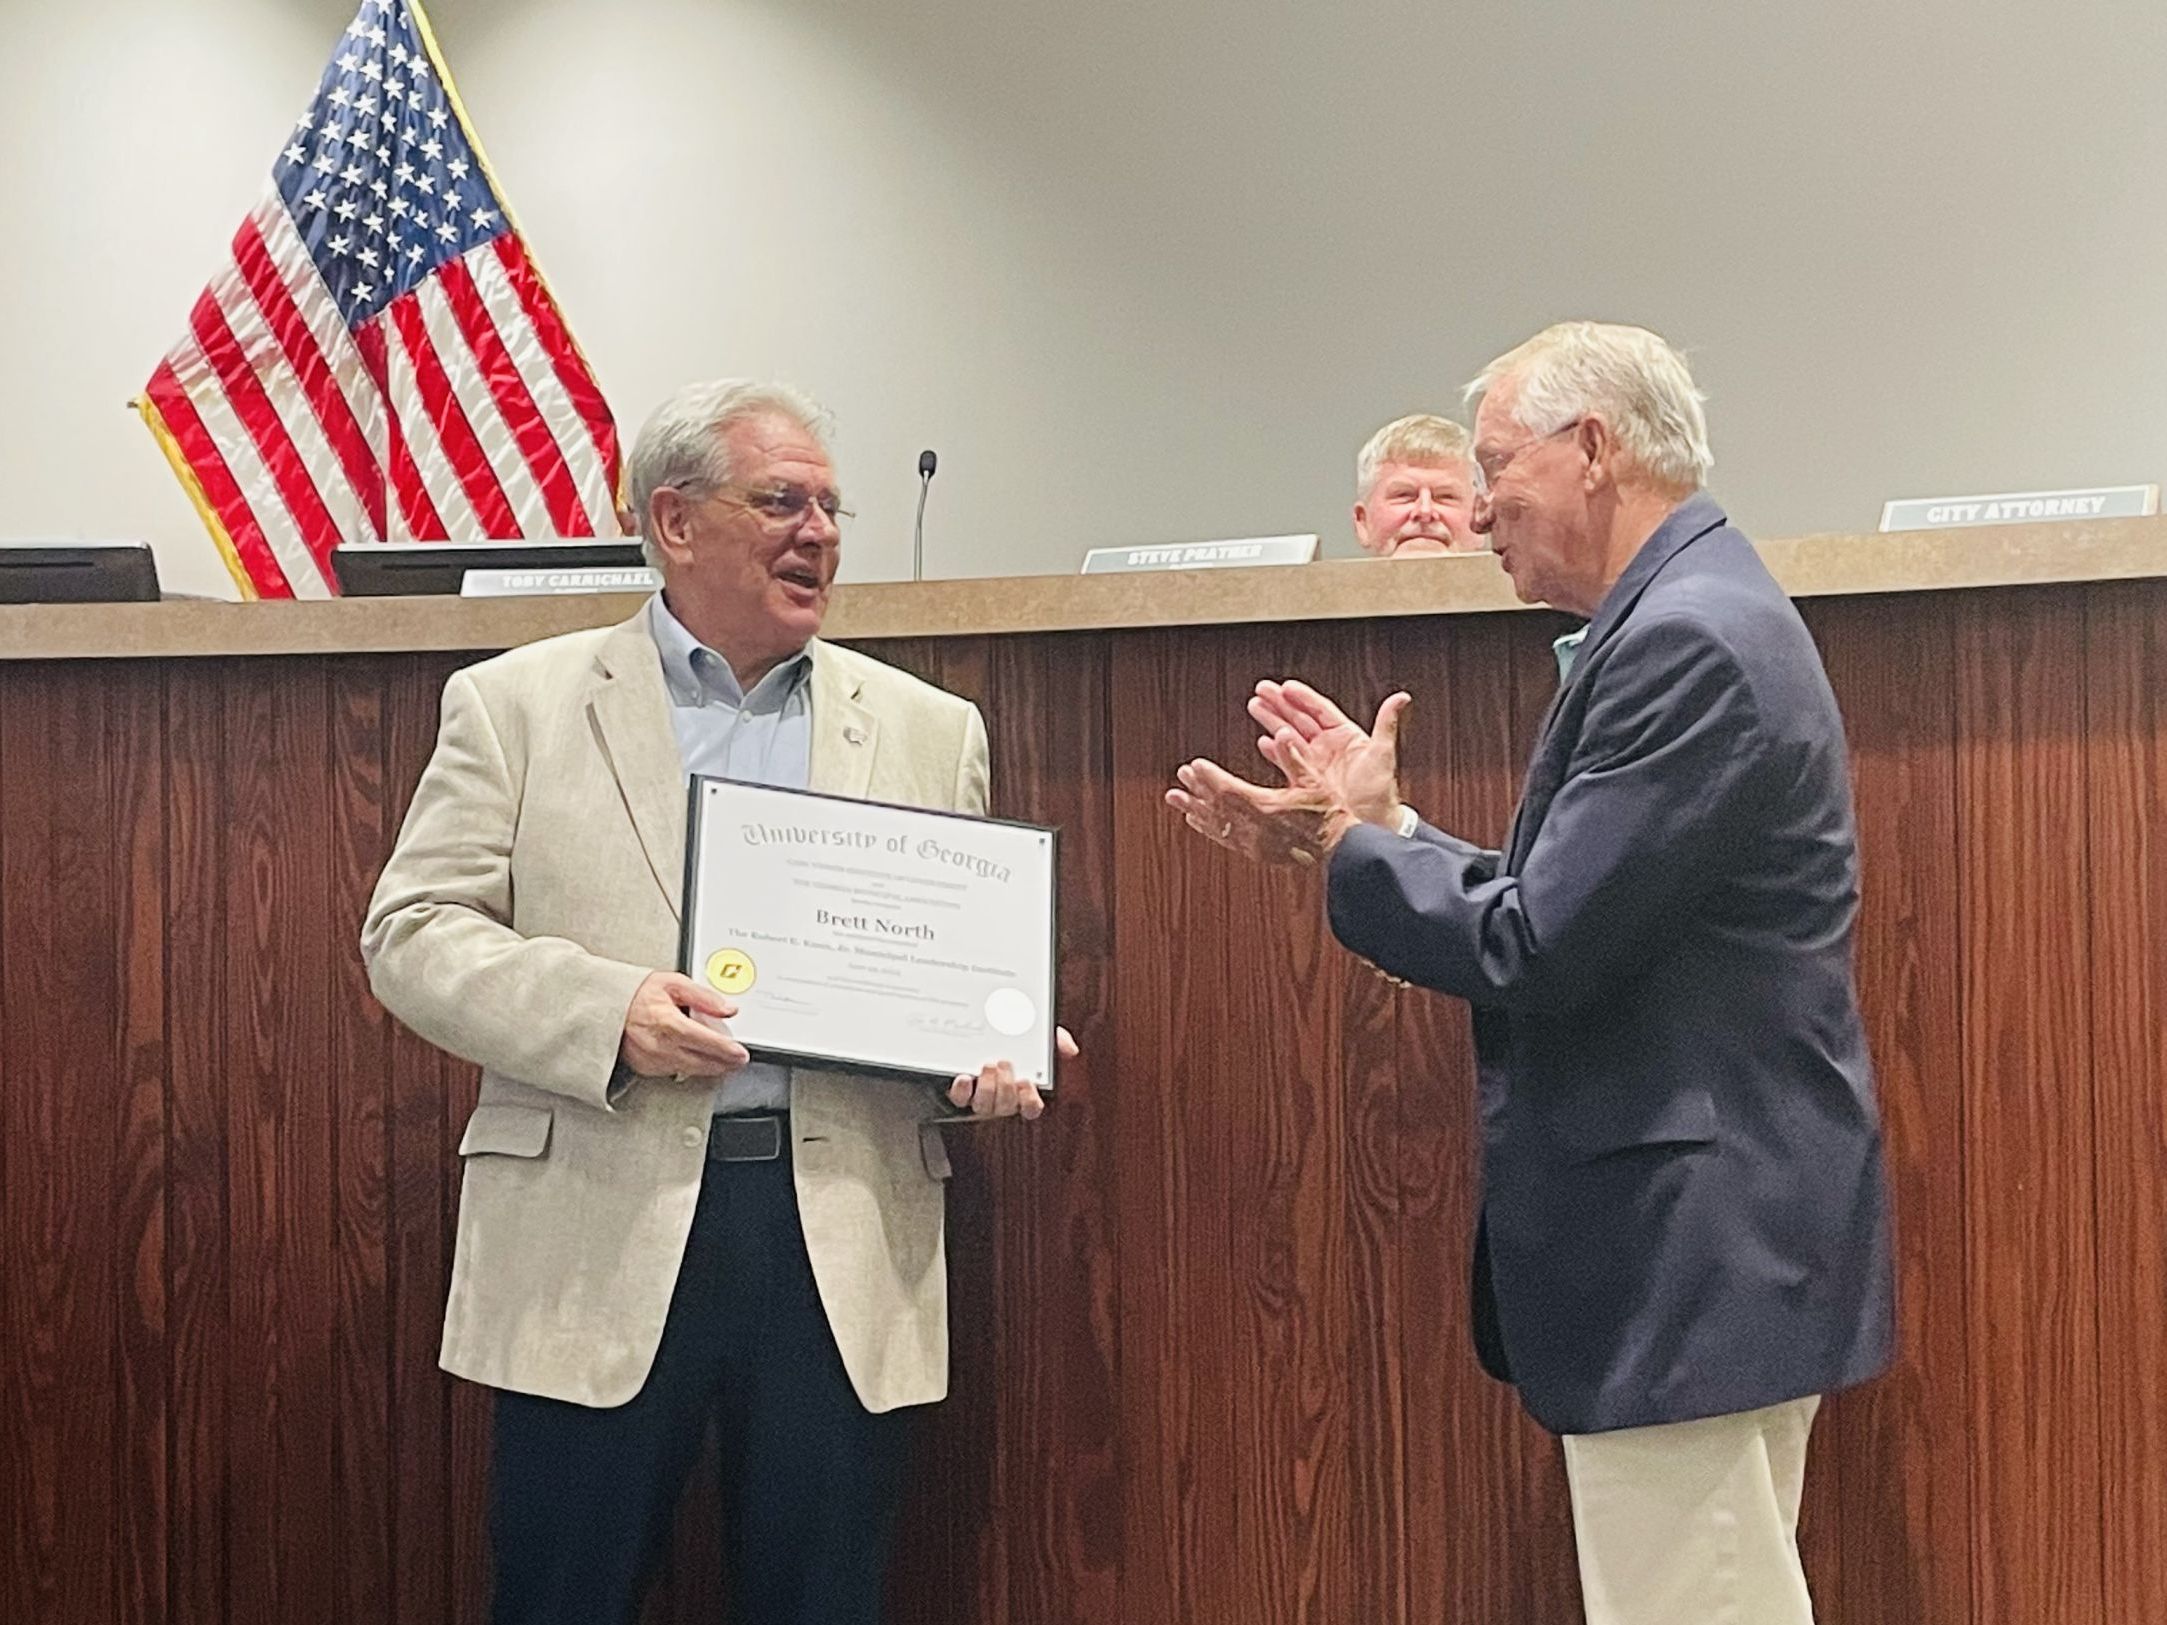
<point>653,1230</point>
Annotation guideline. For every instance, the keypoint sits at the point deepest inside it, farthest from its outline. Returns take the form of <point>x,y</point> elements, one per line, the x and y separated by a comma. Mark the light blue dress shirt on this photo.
<point>1567,650</point>
<point>765,737</point>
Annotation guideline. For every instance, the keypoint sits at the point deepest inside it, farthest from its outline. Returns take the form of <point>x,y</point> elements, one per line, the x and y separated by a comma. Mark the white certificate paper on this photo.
<point>872,938</point>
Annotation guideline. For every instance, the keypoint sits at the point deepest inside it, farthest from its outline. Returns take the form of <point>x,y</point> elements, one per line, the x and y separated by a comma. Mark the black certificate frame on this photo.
<point>688,912</point>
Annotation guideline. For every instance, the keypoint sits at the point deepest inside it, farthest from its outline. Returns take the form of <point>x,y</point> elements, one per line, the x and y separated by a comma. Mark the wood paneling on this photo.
<point>2031,1234</point>
<point>198,1178</point>
<point>59,987</point>
<point>134,782</point>
<point>2126,734</point>
<point>1174,954</point>
<point>1887,1520</point>
<point>279,945</point>
<point>359,1075</point>
<point>1051,1198</point>
<point>1388,1292</point>
<point>1212,1358</point>
<point>1282,1094</point>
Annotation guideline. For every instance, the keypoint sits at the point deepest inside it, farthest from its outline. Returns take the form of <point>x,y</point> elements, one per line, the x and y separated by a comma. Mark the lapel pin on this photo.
<point>853,733</point>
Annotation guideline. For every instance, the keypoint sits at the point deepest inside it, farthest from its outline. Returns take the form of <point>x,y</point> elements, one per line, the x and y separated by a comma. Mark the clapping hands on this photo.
<point>1337,775</point>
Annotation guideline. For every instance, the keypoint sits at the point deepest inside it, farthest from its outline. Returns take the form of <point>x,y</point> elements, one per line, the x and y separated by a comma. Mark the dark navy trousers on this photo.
<point>583,1500</point>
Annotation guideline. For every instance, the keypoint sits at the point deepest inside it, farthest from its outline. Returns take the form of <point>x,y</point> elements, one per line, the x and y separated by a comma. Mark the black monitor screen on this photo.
<point>77,573</point>
<point>381,569</point>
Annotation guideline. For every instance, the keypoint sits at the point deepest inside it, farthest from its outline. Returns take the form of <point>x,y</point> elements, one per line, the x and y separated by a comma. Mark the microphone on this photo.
<point>927,462</point>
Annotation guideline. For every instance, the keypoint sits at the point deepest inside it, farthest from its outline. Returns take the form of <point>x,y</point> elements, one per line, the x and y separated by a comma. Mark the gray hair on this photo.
<point>1628,376</point>
<point>1421,438</point>
<point>681,446</point>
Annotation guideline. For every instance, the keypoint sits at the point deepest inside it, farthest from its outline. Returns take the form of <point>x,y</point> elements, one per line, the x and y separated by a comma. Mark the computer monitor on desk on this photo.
<point>73,572</point>
<point>381,569</point>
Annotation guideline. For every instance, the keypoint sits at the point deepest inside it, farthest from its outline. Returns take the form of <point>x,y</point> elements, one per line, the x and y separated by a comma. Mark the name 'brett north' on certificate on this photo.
<point>871,937</point>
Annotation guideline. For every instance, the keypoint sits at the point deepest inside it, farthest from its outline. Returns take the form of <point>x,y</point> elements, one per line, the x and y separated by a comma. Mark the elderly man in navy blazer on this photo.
<point>1684,1233</point>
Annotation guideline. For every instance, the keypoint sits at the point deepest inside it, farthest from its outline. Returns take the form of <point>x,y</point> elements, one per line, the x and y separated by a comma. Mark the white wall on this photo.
<point>1153,271</point>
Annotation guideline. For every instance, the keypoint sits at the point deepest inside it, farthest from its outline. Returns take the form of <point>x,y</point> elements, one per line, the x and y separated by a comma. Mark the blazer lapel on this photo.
<point>845,733</point>
<point>630,709</point>
<point>1688,522</point>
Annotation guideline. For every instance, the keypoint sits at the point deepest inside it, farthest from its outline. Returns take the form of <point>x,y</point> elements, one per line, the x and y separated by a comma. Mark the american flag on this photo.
<point>380,361</point>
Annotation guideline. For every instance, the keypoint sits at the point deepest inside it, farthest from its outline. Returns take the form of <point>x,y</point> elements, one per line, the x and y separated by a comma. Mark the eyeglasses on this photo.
<point>1488,474</point>
<point>784,505</point>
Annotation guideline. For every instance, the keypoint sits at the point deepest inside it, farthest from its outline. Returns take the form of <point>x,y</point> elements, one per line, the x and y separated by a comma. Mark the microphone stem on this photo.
<point>917,542</point>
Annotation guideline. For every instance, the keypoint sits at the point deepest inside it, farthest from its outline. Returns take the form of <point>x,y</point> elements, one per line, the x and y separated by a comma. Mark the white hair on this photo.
<point>681,447</point>
<point>1420,438</point>
<point>1628,376</point>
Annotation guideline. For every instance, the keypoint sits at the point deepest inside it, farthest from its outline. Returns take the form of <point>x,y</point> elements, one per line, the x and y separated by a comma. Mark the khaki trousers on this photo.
<point>1693,1523</point>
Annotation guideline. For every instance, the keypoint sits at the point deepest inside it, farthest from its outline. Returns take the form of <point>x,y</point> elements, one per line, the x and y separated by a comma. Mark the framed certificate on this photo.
<point>870,937</point>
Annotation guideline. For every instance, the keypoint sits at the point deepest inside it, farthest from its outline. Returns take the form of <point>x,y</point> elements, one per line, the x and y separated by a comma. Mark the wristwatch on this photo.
<point>1404,821</point>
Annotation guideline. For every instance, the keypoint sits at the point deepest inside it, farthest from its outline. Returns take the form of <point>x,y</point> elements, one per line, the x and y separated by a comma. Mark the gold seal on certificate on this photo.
<point>869,937</point>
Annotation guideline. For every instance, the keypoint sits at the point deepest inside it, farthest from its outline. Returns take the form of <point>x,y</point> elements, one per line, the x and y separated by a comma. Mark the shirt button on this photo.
<point>693,1136</point>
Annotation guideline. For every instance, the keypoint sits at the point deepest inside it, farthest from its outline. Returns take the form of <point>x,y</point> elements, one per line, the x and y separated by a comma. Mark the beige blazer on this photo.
<point>535,884</point>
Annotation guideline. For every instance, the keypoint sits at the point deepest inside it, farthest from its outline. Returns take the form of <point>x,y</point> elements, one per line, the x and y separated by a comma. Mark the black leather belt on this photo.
<point>747,1136</point>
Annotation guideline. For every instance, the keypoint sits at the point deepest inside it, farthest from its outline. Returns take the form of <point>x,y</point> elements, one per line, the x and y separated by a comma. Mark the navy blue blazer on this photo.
<point>1684,1209</point>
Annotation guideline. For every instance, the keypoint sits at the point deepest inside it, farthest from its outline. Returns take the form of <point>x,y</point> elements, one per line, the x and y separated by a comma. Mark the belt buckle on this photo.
<point>744,1139</point>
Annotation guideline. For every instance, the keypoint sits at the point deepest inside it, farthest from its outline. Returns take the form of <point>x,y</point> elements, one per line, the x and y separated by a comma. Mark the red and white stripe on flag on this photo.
<point>460,410</point>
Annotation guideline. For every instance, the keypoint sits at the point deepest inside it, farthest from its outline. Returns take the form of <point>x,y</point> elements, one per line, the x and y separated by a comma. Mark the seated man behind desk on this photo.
<point>652,1231</point>
<point>1415,490</point>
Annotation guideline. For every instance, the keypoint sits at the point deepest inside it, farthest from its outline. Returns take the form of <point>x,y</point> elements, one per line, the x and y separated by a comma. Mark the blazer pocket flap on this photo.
<point>502,1130</point>
<point>933,1147</point>
<point>1684,1117</point>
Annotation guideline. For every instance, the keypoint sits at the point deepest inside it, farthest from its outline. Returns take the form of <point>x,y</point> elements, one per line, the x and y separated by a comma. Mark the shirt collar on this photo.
<point>697,675</point>
<point>1567,650</point>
